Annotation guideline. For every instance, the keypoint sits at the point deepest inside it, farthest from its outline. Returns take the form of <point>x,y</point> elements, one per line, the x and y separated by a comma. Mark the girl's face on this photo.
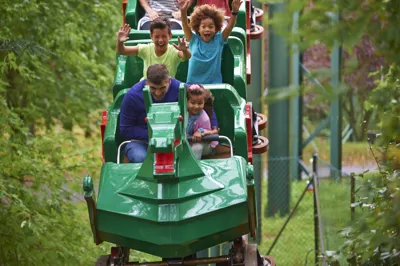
<point>195,104</point>
<point>207,29</point>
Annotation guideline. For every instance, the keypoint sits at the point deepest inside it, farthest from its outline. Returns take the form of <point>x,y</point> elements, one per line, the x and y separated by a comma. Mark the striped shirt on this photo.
<point>164,7</point>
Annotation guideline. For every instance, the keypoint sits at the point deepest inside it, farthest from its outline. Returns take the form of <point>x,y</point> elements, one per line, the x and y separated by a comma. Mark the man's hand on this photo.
<point>181,46</point>
<point>184,5</point>
<point>236,5</point>
<point>196,136</point>
<point>153,15</point>
<point>123,33</point>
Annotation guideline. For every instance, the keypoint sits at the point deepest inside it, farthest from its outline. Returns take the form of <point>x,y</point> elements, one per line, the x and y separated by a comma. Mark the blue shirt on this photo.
<point>133,112</point>
<point>205,63</point>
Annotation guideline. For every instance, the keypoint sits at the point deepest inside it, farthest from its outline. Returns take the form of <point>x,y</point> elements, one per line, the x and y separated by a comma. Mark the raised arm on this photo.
<point>152,14</point>
<point>184,5</point>
<point>184,52</point>
<point>121,38</point>
<point>232,20</point>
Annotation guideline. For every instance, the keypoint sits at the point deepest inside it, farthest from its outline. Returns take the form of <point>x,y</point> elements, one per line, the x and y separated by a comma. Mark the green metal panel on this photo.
<point>170,219</point>
<point>336,113</point>
<point>278,123</point>
<point>134,12</point>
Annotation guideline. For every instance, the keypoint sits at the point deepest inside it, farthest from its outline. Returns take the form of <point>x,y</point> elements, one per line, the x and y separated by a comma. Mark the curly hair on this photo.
<point>207,11</point>
<point>197,89</point>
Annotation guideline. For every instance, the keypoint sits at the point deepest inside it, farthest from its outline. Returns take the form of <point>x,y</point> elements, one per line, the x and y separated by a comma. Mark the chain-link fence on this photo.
<point>288,224</point>
<point>335,188</point>
<point>298,228</point>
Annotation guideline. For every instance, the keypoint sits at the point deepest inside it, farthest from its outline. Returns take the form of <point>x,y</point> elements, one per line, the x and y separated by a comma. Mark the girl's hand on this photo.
<point>123,33</point>
<point>196,136</point>
<point>184,5</point>
<point>236,5</point>
<point>181,45</point>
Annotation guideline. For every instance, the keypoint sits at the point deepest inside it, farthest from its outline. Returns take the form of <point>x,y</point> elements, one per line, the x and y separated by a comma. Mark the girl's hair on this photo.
<point>197,89</point>
<point>207,11</point>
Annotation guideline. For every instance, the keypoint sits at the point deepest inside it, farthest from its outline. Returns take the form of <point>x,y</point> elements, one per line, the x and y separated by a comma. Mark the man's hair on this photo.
<point>157,74</point>
<point>207,11</point>
<point>160,23</point>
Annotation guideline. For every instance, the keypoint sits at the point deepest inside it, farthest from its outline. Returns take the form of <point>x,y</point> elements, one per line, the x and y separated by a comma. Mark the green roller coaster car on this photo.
<point>172,205</point>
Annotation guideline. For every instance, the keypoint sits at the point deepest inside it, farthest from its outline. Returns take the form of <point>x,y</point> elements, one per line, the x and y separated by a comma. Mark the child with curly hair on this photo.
<point>200,106</point>
<point>207,41</point>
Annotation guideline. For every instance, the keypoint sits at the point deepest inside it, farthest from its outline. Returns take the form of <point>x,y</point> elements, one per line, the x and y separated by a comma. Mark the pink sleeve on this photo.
<point>202,122</point>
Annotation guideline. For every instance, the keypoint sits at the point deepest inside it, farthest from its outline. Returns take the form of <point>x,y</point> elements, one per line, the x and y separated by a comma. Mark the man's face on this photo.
<point>160,39</point>
<point>158,90</point>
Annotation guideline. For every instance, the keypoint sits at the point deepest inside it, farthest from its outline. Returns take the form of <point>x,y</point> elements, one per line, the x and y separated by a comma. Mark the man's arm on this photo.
<point>214,122</point>
<point>121,38</point>
<point>183,5</point>
<point>152,14</point>
<point>232,20</point>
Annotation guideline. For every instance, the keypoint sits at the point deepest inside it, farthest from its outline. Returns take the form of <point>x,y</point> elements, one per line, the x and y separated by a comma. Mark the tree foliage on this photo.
<point>40,217</point>
<point>319,23</point>
<point>57,58</point>
<point>56,67</point>
<point>368,33</point>
<point>374,238</point>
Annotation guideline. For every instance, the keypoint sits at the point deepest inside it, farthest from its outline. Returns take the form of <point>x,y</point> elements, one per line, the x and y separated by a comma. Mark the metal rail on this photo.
<point>187,262</point>
<point>128,141</point>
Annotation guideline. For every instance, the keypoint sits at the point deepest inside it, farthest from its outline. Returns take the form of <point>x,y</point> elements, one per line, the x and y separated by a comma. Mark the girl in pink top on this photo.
<point>223,4</point>
<point>200,103</point>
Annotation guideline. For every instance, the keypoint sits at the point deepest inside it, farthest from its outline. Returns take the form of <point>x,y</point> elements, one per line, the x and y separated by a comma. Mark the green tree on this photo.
<point>57,58</point>
<point>374,237</point>
<point>56,67</point>
<point>368,33</point>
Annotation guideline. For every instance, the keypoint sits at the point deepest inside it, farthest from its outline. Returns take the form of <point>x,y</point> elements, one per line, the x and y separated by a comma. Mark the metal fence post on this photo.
<point>316,225</point>
<point>278,121</point>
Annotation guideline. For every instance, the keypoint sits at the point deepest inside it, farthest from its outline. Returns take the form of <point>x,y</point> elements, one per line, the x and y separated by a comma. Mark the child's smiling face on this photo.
<point>207,29</point>
<point>195,104</point>
<point>160,39</point>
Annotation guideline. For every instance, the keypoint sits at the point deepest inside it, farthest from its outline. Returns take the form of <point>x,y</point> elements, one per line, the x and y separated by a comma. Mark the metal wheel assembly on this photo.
<point>250,255</point>
<point>262,121</point>
<point>262,145</point>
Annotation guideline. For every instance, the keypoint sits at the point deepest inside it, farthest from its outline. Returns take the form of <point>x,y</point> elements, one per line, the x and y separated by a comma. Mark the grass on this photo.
<point>297,240</point>
<point>353,153</point>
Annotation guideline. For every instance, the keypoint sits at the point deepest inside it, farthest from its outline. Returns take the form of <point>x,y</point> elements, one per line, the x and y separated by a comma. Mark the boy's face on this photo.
<point>207,29</point>
<point>160,39</point>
